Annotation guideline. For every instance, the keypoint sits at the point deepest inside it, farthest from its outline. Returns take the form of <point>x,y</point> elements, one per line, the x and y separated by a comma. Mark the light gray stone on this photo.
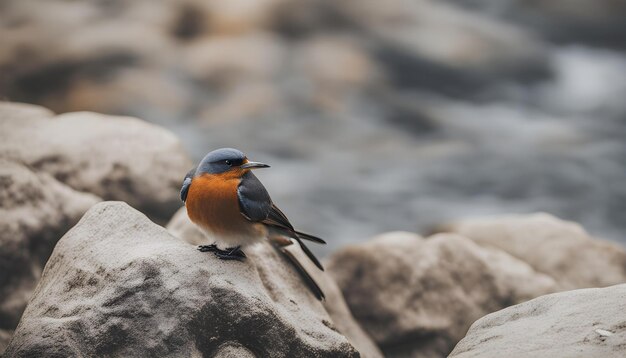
<point>417,297</point>
<point>579,323</point>
<point>119,285</point>
<point>561,249</point>
<point>334,303</point>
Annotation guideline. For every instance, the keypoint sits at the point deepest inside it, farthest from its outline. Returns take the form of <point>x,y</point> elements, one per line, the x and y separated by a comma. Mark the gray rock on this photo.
<point>417,297</point>
<point>35,210</point>
<point>54,168</point>
<point>116,158</point>
<point>334,303</point>
<point>579,323</point>
<point>561,249</point>
<point>5,337</point>
<point>119,285</point>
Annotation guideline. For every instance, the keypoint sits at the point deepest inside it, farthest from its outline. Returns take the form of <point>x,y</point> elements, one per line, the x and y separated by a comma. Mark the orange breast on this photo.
<point>212,203</point>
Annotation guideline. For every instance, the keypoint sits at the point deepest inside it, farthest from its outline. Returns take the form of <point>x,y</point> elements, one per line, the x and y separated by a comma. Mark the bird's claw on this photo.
<point>207,248</point>
<point>231,253</point>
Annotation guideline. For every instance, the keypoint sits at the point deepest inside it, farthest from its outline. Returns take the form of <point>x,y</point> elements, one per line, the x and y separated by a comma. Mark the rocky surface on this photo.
<point>115,158</point>
<point>35,211</point>
<point>119,285</point>
<point>417,297</point>
<point>334,303</point>
<point>560,249</point>
<point>447,108</point>
<point>54,168</point>
<point>579,323</point>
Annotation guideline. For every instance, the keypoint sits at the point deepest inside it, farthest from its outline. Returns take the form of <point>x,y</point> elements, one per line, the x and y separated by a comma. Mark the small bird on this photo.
<point>226,200</point>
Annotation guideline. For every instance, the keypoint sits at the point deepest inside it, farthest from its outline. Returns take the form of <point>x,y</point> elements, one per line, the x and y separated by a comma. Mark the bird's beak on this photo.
<point>254,165</point>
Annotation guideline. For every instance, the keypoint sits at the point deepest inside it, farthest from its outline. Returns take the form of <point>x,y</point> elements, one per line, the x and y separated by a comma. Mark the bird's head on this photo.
<point>228,162</point>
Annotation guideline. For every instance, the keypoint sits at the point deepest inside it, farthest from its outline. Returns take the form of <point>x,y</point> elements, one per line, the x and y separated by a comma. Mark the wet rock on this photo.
<point>340,316</point>
<point>558,248</point>
<point>579,323</point>
<point>119,285</point>
<point>417,297</point>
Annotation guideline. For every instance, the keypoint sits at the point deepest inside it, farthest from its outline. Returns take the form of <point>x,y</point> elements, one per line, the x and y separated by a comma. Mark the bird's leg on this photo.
<point>206,248</point>
<point>231,253</point>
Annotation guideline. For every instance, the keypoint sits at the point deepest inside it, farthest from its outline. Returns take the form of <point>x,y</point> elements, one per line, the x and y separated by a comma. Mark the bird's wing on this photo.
<point>256,205</point>
<point>254,201</point>
<point>186,184</point>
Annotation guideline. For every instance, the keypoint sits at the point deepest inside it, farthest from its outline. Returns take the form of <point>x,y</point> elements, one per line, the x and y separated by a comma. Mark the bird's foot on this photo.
<point>231,253</point>
<point>207,248</point>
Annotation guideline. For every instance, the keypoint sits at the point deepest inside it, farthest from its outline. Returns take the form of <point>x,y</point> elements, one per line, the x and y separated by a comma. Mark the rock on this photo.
<point>5,337</point>
<point>54,168</point>
<point>417,297</point>
<point>561,249</point>
<point>579,323</point>
<point>119,285</point>
<point>335,305</point>
<point>116,158</point>
<point>35,210</point>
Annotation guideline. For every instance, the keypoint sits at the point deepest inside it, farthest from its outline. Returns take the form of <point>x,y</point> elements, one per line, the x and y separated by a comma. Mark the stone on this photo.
<point>579,323</point>
<point>417,297</point>
<point>115,158</point>
<point>561,249</point>
<point>334,303</point>
<point>119,285</point>
<point>35,210</point>
<point>54,168</point>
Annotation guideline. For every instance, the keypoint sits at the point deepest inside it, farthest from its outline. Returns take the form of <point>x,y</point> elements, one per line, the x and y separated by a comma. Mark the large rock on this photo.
<point>334,303</point>
<point>35,210</point>
<point>579,323</point>
<point>417,297</point>
<point>116,158</point>
<point>54,168</point>
<point>561,249</point>
<point>119,285</point>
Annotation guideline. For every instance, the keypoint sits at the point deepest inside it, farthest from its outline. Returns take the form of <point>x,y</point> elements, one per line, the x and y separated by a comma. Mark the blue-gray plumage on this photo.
<point>186,184</point>
<point>220,161</point>
<point>254,201</point>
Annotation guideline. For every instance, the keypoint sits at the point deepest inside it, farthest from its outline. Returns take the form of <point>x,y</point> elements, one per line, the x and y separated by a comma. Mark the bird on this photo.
<point>229,203</point>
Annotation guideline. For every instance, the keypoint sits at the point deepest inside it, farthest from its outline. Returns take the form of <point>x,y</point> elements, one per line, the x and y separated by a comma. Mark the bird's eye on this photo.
<point>228,162</point>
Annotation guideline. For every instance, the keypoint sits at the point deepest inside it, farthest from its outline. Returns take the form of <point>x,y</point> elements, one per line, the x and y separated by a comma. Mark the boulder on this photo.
<point>417,297</point>
<point>579,323</point>
<point>561,249</point>
<point>54,168</point>
<point>119,285</point>
<point>115,158</point>
<point>334,303</point>
<point>35,210</point>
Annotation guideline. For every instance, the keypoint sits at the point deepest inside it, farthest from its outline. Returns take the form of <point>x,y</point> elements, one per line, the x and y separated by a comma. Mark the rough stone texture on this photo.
<point>417,297</point>
<point>116,158</point>
<point>119,285</point>
<point>335,305</point>
<point>54,168</point>
<point>561,249</point>
<point>579,323</point>
<point>5,337</point>
<point>35,210</point>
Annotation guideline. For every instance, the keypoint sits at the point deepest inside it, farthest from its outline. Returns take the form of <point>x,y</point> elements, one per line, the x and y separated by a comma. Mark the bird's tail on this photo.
<point>309,253</point>
<point>292,253</point>
<point>310,237</point>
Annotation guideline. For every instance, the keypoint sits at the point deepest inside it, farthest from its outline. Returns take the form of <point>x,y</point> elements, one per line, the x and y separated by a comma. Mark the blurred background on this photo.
<point>375,115</point>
